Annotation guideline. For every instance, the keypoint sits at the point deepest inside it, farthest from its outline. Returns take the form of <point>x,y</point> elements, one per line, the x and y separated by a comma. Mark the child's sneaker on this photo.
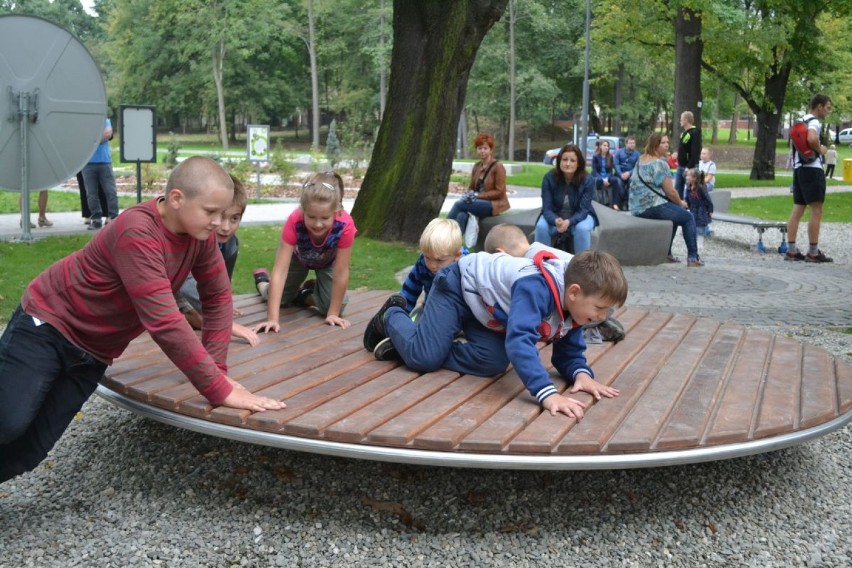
<point>612,330</point>
<point>416,313</point>
<point>260,275</point>
<point>385,351</point>
<point>375,331</point>
<point>305,290</point>
<point>794,255</point>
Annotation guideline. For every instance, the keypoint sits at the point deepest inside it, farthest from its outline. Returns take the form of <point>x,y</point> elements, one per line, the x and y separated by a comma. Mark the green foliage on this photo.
<point>172,150</point>
<point>332,145</point>
<point>281,164</point>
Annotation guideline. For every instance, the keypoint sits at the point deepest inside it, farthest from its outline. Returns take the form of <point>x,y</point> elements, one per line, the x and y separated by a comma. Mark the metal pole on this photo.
<point>585,120</point>
<point>138,181</point>
<point>258,179</point>
<point>23,113</point>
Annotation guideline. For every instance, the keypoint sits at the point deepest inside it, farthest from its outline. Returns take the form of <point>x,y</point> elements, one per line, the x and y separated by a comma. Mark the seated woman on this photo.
<point>608,186</point>
<point>566,201</point>
<point>486,195</point>
<point>653,196</point>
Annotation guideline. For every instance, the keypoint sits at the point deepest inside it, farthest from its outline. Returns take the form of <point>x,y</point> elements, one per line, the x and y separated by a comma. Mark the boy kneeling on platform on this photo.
<point>504,306</point>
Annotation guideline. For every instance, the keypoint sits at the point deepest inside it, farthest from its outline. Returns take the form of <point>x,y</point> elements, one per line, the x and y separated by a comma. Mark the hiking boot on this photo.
<point>612,330</point>
<point>794,256</point>
<point>375,331</point>
<point>818,257</point>
<point>305,290</point>
<point>385,351</point>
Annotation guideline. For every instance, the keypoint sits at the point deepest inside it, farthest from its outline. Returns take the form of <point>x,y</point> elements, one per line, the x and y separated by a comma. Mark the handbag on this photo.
<point>471,231</point>
<point>480,183</point>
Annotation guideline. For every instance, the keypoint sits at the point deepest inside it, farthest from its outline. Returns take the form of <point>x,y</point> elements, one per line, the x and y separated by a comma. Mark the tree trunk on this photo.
<point>312,56</point>
<point>382,62</point>
<point>218,65</point>
<point>434,47</point>
<point>768,117</point>
<point>688,51</point>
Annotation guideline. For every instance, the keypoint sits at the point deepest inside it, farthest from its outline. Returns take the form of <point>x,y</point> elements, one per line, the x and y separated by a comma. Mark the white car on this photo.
<point>845,136</point>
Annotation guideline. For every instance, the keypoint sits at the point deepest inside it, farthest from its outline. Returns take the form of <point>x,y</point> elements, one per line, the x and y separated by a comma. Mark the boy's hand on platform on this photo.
<point>266,327</point>
<point>568,406</point>
<point>243,332</point>
<point>338,321</point>
<point>585,383</point>
<point>243,399</point>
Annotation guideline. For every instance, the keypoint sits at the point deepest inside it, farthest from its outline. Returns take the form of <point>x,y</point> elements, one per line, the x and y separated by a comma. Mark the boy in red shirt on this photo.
<point>81,313</point>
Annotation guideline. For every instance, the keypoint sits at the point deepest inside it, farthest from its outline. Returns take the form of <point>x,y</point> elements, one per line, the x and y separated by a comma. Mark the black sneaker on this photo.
<point>305,290</point>
<point>375,331</point>
<point>612,330</point>
<point>794,256</point>
<point>95,225</point>
<point>818,257</point>
<point>385,351</point>
<point>260,275</point>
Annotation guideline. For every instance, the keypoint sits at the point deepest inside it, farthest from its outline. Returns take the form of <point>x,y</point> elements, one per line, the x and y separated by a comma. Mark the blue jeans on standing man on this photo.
<point>679,217</point>
<point>461,209</point>
<point>100,175</point>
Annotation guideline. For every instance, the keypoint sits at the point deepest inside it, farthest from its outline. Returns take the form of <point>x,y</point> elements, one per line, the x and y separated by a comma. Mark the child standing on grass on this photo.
<point>83,311</point>
<point>700,204</point>
<point>226,238</point>
<point>317,236</point>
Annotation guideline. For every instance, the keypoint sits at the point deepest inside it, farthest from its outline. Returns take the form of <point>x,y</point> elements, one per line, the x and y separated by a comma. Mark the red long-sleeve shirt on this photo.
<point>124,282</point>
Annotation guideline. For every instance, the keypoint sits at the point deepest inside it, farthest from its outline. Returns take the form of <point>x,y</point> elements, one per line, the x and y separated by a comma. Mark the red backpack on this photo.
<point>799,138</point>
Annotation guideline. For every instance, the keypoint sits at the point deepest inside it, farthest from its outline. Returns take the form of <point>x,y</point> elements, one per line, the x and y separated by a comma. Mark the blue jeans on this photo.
<point>44,381</point>
<point>679,217</point>
<point>461,209</point>
<point>428,344</point>
<point>100,175</point>
<point>581,232</point>
<point>680,181</point>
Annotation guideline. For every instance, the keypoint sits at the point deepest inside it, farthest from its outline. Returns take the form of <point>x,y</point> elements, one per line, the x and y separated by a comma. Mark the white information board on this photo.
<point>138,134</point>
<point>257,142</point>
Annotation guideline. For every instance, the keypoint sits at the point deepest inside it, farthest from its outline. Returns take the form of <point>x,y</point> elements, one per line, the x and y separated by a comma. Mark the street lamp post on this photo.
<point>585,120</point>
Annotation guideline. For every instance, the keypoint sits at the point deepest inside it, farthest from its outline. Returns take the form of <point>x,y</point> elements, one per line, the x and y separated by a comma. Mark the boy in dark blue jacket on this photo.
<point>504,306</point>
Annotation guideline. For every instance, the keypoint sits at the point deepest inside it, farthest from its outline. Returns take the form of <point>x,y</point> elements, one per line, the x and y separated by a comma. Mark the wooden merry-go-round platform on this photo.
<point>692,390</point>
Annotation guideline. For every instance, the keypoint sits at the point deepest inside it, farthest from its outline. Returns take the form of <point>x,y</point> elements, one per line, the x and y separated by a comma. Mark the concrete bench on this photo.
<point>721,202</point>
<point>632,240</point>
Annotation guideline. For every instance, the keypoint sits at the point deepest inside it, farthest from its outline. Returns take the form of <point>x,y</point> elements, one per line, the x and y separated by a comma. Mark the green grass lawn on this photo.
<point>374,263</point>
<point>838,207</point>
<point>56,201</point>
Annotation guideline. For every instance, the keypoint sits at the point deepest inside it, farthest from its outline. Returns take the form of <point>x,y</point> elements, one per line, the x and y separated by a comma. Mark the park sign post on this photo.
<point>257,146</point>
<point>138,139</point>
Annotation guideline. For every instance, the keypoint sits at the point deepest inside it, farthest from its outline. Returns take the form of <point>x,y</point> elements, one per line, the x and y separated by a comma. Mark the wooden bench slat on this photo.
<point>843,372</point>
<point>687,425</point>
<point>779,408</point>
<point>358,425</point>
<point>314,423</point>
<point>650,412</point>
<point>660,335</point>
<point>819,392</point>
<point>734,419</point>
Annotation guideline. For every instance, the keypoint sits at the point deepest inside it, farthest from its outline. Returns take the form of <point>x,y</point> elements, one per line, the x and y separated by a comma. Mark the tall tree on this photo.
<point>434,46</point>
<point>688,50</point>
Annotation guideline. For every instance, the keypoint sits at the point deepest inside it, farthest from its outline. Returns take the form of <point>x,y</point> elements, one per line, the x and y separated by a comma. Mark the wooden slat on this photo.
<point>779,407</point>
<point>819,395</point>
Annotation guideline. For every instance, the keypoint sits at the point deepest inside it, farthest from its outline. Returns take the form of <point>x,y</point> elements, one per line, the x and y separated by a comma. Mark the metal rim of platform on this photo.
<point>475,460</point>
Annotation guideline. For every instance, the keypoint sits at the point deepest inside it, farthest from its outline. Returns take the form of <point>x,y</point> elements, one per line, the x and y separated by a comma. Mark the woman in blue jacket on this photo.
<point>566,201</point>
<point>610,190</point>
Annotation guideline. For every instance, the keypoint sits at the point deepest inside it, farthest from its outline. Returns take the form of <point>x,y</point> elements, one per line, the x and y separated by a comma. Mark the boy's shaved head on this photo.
<point>508,238</point>
<point>198,174</point>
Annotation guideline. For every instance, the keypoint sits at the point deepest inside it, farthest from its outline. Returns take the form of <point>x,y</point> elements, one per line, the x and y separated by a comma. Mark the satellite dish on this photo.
<point>52,106</point>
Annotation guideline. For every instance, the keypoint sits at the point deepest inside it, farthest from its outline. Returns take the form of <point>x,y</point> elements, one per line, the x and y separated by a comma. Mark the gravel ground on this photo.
<point>120,490</point>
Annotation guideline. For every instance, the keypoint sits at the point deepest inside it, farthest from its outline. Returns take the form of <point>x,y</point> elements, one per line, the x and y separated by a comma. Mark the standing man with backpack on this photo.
<point>808,180</point>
